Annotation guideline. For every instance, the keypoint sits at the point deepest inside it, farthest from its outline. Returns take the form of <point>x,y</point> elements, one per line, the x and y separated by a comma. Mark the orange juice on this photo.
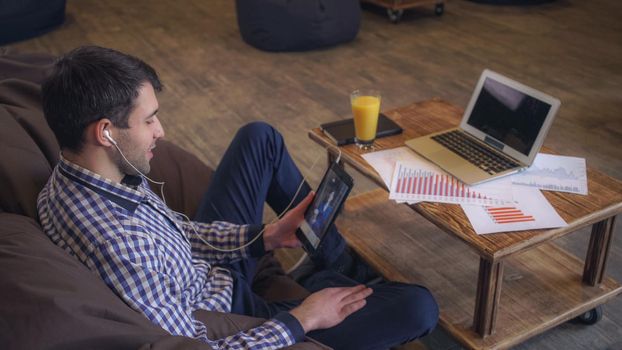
<point>365,110</point>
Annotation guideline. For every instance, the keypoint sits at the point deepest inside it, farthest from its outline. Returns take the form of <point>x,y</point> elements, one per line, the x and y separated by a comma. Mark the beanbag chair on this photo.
<point>23,19</point>
<point>297,25</point>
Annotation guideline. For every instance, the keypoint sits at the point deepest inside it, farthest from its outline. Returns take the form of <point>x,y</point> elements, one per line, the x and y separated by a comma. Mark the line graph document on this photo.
<point>530,210</point>
<point>415,182</point>
<point>555,173</point>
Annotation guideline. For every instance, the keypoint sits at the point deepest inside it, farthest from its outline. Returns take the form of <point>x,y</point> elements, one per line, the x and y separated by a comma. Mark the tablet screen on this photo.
<point>328,199</point>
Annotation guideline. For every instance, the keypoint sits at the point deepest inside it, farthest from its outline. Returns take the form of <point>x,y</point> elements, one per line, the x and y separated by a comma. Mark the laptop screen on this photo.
<point>508,115</point>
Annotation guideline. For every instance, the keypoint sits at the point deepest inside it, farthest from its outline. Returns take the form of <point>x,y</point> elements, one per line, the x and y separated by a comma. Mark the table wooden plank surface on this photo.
<point>604,199</point>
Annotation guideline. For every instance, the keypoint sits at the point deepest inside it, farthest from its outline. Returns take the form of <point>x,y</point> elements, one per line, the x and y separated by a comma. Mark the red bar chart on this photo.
<point>424,185</point>
<point>529,211</point>
<point>508,215</point>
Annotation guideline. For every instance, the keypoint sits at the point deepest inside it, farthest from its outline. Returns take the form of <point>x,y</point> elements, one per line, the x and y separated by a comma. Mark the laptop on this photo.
<point>501,132</point>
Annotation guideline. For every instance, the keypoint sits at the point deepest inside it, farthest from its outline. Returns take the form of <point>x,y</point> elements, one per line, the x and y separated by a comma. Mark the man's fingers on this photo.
<point>294,243</point>
<point>341,293</point>
<point>302,206</point>
<point>294,216</point>
<point>344,292</point>
<point>351,308</point>
<point>305,202</point>
<point>357,293</point>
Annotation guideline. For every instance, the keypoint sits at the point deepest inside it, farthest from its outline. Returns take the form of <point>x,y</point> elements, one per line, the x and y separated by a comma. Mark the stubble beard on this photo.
<point>141,163</point>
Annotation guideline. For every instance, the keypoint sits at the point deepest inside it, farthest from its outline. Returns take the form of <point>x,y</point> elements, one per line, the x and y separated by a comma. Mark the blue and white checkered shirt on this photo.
<point>151,258</point>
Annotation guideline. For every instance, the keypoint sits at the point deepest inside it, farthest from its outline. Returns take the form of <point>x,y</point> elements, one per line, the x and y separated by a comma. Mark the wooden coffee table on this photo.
<point>543,285</point>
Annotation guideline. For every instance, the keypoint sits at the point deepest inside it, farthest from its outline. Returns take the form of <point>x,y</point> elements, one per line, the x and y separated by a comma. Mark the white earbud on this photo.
<point>107,135</point>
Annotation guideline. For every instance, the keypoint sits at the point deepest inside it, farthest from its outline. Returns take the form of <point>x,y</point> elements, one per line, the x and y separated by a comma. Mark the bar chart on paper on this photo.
<point>413,185</point>
<point>508,215</point>
<point>529,211</point>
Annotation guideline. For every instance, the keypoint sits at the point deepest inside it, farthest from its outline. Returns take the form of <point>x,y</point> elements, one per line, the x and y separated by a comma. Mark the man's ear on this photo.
<point>102,134</point>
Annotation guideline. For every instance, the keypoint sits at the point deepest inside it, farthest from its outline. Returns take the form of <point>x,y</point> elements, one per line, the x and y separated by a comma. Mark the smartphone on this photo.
<point>342,131</point>
<point>322,212</point>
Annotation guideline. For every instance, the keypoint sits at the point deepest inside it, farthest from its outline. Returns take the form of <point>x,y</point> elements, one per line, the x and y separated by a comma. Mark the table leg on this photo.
<point>597,251</point>
<point>487,298</point>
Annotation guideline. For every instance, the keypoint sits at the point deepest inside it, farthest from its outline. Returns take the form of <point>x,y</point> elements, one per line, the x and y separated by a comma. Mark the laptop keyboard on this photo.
<point>473,152</point>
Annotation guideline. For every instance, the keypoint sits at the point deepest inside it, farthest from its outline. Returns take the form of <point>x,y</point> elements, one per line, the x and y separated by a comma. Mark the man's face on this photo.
<point>138,141</point>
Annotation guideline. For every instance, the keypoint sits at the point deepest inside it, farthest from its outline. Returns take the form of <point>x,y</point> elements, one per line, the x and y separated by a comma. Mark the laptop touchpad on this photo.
<point>447,159</point>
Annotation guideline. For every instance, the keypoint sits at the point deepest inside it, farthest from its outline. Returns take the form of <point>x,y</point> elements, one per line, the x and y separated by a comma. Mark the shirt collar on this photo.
<point>128,194</point>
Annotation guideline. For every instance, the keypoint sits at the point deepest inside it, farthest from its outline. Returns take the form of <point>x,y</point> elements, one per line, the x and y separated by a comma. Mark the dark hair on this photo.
<point>88,84</point>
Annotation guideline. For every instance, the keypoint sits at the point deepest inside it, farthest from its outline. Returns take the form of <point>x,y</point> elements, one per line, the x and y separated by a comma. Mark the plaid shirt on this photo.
<point>150,257</point>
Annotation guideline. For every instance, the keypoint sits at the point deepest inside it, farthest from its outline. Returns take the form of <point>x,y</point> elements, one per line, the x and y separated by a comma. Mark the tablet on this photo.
<point>321,213</point>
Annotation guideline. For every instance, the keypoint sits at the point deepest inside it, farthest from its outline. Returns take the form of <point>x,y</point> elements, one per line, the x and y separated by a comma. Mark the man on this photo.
<point>101,105</point>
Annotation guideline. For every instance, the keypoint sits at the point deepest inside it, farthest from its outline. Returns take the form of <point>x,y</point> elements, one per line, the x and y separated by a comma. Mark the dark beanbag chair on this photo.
<point>297,25</point>
<point>23,19</point>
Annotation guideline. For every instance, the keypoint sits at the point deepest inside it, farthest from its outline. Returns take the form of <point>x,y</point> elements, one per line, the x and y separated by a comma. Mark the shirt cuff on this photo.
<point>257,248</point>
<point>295,328</point>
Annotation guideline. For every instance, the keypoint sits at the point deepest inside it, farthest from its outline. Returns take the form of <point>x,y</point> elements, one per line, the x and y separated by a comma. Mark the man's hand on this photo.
<point>330,306</point>
<point>282,234</point>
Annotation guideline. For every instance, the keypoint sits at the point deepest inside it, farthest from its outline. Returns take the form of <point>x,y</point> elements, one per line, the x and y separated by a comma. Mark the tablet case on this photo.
<point>346,180</point>
<point>342,131</point>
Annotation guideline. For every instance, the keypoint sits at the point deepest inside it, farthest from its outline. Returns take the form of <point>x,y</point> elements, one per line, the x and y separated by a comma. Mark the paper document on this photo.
<point>529,211</point>
<point>555,173</point>
<point>384,161</point>
<point>416,181</point>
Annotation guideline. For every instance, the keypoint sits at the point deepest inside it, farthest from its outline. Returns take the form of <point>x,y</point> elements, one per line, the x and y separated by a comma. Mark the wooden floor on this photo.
<point>214,83</point>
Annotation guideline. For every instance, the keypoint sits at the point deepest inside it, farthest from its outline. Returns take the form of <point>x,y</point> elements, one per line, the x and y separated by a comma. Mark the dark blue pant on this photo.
<point>257,168</point>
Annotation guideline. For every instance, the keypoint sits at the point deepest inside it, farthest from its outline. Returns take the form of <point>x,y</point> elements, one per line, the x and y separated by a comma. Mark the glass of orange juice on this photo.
<point>365,108</point>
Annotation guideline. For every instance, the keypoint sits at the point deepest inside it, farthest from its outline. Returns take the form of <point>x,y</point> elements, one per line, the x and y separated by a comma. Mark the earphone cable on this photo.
<point>191,224</point>
<point>260,234</point>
